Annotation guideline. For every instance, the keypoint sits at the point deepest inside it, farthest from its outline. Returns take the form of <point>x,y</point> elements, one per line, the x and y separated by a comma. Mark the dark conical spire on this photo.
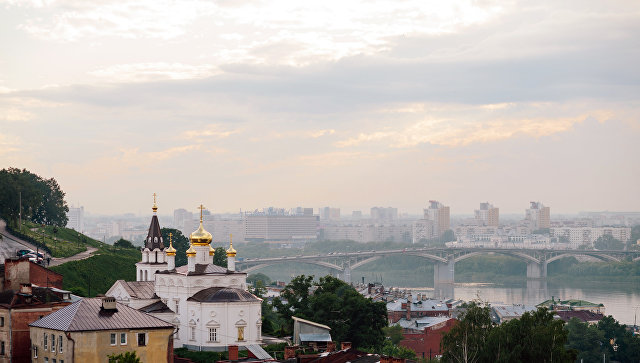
<point>154,237</point>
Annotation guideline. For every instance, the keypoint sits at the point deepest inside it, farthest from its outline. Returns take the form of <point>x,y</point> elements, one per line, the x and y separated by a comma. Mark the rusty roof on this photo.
<point>88,315</point>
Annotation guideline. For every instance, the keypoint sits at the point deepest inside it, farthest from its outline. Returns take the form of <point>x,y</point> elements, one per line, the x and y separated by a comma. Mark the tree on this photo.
<point>42,199</point>
<point>607,242</point>
<point>393,333</point>
<point>351,316</point>
<point>126,357</point>
<point>253,278</point>
<point>180,243</point>
<point>585,339</point>
<point>123,243</point>
<point>220,257</point>
<point>448,236</point>
<point>466,341</point>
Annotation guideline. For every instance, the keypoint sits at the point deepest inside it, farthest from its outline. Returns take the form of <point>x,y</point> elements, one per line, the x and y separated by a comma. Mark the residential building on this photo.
<point>538,216</point>
<point>90,330</point>
<point>180,217</point>
<point>413,307</point>
<point>501,313</point>
<point>436,221</point>
<point>586,236</point>
<point>328,213</point>
<point>16,272</point>
<point>309,333</point>
<point>262,227</point>
<point>423,335</point>
<point>75,218</point>
<point>20,307</point>
<point>487,215</point>
<point>367,232</point>
<point>384,214</point>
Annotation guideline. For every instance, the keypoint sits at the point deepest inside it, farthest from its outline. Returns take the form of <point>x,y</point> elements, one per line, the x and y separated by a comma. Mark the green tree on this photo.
<point>123,243</point>
<point>253,278</point>
<point>42,199</point>
<point>396,351</point>
<point>466,341</point>
<point>351,316</point>
<point>180,243</point>
<point>448,236</point>
<point>586,340</point>
<point>126,357</point>
<point>620,344</point>
<point>607,242</point>
<point>220,257</point>
<point>393,333</point>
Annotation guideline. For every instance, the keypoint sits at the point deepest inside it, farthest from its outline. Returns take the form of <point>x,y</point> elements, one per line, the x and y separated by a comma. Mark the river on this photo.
<point>621,301</point>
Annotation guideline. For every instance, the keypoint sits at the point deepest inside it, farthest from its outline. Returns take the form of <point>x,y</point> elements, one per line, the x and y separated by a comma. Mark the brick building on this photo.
<point>423,335</point>
<point>415,307</point>
<point>20,307</point>
<point>15,272</point>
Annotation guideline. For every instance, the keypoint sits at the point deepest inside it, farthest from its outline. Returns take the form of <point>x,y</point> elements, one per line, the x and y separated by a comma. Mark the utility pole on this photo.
<point>20,211</point>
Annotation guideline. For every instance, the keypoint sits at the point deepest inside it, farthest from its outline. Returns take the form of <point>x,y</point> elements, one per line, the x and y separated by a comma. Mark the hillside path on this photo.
<point>10,244</point>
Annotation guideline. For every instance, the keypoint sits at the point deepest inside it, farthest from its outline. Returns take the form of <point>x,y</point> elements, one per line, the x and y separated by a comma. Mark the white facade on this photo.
<point>75,218</point>
<point>586,236</point>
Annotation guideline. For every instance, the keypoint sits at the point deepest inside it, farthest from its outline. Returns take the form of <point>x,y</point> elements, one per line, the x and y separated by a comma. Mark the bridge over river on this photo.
<point>444,260</point>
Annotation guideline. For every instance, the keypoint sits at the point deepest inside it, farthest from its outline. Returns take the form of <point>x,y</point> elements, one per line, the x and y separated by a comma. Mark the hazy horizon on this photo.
<point>248,104</point>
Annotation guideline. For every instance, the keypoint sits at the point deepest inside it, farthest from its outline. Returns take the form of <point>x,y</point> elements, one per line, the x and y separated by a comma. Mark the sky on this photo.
<point>350,104</point>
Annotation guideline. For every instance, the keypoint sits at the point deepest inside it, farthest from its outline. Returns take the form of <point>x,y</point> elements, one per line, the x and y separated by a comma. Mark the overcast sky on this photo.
<point>247,104</point>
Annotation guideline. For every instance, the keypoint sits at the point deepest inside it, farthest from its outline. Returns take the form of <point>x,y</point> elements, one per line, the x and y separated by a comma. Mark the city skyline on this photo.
<point>240,105</point>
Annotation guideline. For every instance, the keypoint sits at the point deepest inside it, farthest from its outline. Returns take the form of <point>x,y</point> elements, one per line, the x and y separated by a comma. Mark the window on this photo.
<point>53,343</point>
<point>213,334</point>
<point>241,333</point>
<point>123,338</point>
<point>193,332</point>
<point>142,339</point>
<point>113,338</point>
<point>44,343</point>
<point>53,360</point>
<point>35,351</point>
<point>177,306</point>
<point>46,360</point>
<point>60,343</point>
<point>1,348</point>
<point>1,320</point>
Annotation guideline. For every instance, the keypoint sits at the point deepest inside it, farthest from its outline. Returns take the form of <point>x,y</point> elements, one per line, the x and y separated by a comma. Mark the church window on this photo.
<point>213,334</point>
<point>177,306</point>
<point>241,333</point>
<point>259,326</point>
<point>193,332</point>
<point>113,338</point>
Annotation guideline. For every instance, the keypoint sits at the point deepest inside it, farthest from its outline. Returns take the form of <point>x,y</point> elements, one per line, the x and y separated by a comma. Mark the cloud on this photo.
<point>215,131</point>
<point>15,114</point>
<point>144,72</point>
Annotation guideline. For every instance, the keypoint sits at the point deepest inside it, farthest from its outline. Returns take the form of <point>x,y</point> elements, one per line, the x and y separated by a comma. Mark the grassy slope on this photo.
<point>100,271</point>
<point>67,242</point>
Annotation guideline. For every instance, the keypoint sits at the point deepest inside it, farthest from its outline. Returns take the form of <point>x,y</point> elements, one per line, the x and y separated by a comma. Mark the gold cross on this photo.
<point>154,199</point>
<point>170,235</point>
<point>201,207</point>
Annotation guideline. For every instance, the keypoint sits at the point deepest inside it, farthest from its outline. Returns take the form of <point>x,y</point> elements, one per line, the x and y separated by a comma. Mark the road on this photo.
<point>10,244</point>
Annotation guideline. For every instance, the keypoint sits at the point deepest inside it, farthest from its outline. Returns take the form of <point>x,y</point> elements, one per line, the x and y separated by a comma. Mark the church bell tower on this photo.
<point>154,254</point>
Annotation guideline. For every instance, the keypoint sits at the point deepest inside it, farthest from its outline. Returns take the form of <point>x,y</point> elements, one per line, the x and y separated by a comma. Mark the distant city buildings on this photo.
<point>384,214</point>
<point>328,213</point>
<point>368,232</point>
<point>180,217</point>
<point>436,221</point>
<point>538,216</point>
<point>578,237</point>
<point>279,226</point>
<point>487,215</point>
<point>75,217</point>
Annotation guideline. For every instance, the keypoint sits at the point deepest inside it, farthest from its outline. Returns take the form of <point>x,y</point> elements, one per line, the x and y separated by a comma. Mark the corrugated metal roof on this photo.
<point>318,337</point>
<point>88,315</point>
<point>258,351</point>
<point>139,289</point>
<point>202,269</point>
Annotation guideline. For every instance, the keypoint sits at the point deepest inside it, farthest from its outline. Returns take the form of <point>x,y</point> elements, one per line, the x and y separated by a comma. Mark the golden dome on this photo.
<point>171,251</point>
<point>211,251</point>
<point>201,237</point>
<point>231,252</point>
<point>191,252</point>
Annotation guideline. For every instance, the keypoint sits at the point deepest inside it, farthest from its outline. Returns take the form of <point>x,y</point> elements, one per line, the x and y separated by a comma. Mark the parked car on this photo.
<point>23,252</point>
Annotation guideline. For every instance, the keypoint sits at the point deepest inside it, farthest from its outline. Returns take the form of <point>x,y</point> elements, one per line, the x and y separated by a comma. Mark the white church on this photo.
<point>208,304</point>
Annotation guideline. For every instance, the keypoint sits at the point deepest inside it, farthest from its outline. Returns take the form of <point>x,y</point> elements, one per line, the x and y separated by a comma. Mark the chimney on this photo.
<point>289,352</point>
<point>331,346</point>
<point>345,345</point>
<point>109,303</point>
<point>409,311</point>
<point>26,289</point>
<point>233,352</point>
<point>385,359</point>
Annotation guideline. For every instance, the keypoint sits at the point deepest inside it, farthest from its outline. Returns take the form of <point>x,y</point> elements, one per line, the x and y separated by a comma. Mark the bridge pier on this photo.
<point>443,279</point>
<point>537,270</point>
<point>346,275</point>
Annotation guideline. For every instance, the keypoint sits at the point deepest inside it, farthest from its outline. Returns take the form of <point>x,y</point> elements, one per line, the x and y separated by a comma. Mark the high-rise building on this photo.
<point>180,217</point>
<point>261,226</point>
<point>487,215</point>
<point>384,214</point>
<point>328,213</point>
<point>75,218</point>
<point>439,215</point>
<point>538,216</point>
